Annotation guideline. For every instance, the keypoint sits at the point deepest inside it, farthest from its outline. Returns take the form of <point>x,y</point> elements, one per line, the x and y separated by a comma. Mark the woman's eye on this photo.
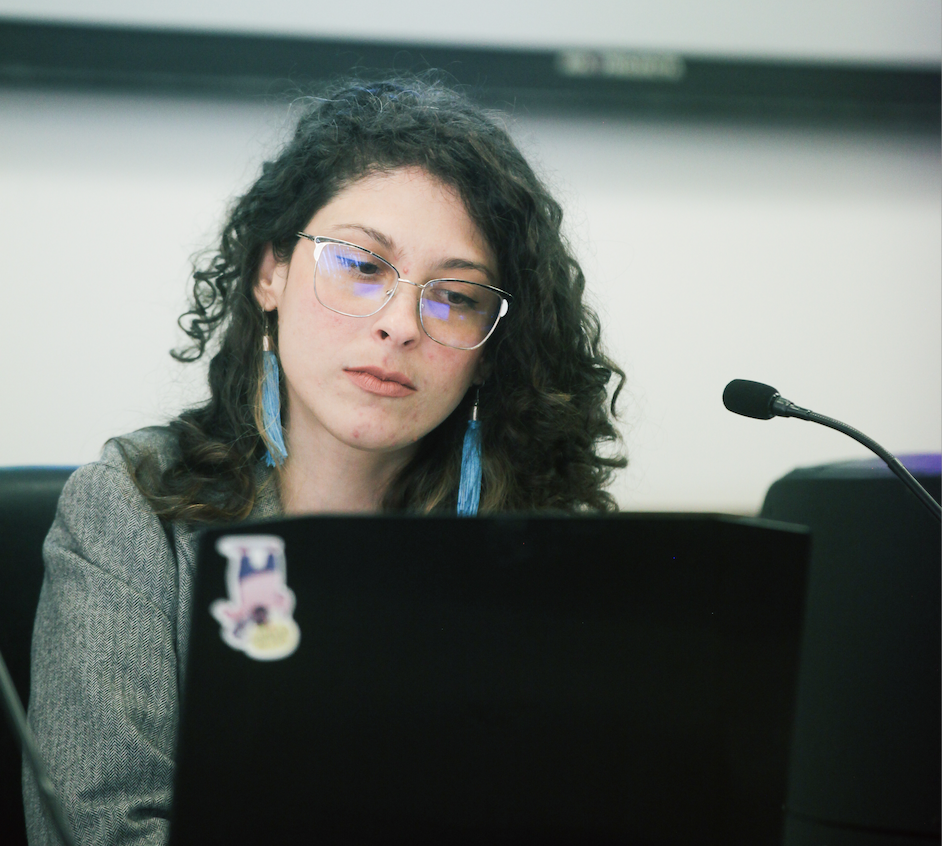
<point>453,298</point>
<point>363,268</point>
<point>456,295</point>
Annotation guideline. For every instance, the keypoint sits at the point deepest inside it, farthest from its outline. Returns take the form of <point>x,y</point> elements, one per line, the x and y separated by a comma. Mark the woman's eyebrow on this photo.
<point>464,264</point>
<point>389,245</point>
<point>383,240</point>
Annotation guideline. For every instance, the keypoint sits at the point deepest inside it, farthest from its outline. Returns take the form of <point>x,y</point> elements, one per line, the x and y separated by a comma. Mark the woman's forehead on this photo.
<point>406,214</point>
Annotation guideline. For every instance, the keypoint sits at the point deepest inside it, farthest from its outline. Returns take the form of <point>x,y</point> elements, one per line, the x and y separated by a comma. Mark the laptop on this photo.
<point>508,679</point>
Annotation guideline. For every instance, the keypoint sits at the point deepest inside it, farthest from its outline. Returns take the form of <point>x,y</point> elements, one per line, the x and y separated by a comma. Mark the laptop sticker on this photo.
<point>256,618</point>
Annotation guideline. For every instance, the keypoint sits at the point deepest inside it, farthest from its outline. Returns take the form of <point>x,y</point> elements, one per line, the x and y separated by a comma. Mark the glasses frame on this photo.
<point>321,241</point>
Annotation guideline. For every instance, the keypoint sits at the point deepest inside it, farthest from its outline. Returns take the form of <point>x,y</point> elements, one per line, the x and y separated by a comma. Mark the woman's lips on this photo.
<point>384,383</point>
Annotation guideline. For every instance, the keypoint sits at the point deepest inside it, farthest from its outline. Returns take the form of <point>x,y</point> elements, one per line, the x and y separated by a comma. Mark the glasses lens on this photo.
<point>352,281</point>
<point>459,314</point>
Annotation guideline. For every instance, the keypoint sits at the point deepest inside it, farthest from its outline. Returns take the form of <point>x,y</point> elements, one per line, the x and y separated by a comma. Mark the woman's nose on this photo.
<point>398,320</point>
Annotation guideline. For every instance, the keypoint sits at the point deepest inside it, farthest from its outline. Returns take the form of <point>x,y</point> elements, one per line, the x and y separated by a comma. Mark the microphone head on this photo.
<point>751,399</point>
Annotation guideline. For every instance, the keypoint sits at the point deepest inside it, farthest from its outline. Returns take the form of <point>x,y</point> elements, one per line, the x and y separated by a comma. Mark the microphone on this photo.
<point>763,402</point>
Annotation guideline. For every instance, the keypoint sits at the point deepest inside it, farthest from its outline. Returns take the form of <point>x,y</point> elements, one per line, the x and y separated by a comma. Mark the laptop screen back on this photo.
<point>507,679</point>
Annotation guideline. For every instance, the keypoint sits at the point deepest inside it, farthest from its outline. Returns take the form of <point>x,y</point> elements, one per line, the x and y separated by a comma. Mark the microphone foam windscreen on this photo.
<point>751,399</point>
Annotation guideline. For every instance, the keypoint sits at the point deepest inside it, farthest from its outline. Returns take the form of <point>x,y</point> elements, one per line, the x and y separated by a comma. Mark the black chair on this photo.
<point>28,497</point>
<point>866,746</point>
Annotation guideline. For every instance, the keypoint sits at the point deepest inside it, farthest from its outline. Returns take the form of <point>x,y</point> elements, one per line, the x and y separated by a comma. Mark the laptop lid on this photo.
<point>505,679</point>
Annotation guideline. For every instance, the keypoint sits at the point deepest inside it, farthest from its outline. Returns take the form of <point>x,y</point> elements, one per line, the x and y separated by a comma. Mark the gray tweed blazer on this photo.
<point>109,652</point>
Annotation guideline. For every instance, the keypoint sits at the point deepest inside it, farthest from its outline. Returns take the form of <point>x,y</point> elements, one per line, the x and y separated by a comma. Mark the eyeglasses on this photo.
<point>355,282</point>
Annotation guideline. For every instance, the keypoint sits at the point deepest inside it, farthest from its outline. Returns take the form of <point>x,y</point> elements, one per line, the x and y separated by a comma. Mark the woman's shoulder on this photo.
<point>105,490</point>
<point>119,455</point>
<point>107,485</point>
<point>156,443</point>
<point>118,489</point>
<point>106,525</point>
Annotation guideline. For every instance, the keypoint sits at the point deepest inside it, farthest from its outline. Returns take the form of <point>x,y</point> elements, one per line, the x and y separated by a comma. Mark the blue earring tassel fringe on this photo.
<point>469,488</point>
<point>276,453</point>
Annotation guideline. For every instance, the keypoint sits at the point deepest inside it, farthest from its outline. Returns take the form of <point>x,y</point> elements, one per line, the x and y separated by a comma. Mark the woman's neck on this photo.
<point>331,477</point>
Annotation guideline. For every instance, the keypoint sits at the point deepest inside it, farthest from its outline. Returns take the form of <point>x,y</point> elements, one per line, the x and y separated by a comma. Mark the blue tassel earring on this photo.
<point>469,488</point>
<point>272,434</point>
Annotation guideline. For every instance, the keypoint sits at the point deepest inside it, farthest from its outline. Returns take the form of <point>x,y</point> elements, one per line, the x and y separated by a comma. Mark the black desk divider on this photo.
<point>867,740</point>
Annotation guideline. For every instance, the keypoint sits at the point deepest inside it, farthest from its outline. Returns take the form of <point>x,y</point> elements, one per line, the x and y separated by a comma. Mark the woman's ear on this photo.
<point>270,284</point>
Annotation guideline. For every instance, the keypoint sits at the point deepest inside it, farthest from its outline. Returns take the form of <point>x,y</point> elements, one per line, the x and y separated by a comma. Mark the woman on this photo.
<point>397,270</point>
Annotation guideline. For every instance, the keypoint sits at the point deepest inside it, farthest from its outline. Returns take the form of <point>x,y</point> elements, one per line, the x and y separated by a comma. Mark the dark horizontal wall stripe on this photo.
<point>243,65</point>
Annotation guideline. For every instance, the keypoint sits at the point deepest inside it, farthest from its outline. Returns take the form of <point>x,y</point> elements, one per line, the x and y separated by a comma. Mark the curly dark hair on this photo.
<point>547,429</point>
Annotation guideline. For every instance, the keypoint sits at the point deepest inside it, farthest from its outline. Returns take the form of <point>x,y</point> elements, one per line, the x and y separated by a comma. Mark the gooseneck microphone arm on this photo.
<point>763,402</point>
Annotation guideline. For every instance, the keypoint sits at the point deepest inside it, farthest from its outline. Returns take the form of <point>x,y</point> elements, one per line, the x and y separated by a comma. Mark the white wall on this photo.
<point>809,259</point>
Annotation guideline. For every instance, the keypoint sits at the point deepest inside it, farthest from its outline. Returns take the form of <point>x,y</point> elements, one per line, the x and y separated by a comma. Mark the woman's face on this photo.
<point>376,383</point>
